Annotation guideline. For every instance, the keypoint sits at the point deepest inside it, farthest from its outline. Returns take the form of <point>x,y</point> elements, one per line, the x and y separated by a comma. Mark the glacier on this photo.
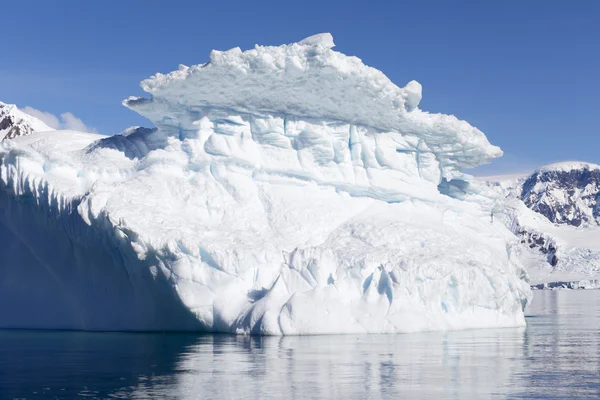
<point>284,190</point>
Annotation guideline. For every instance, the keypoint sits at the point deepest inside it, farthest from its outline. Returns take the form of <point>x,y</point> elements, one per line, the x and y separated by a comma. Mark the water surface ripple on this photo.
<point>556,357</point>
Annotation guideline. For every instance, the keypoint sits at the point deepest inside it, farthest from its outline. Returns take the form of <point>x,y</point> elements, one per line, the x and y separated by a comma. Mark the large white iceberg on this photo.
<point>284,190</point>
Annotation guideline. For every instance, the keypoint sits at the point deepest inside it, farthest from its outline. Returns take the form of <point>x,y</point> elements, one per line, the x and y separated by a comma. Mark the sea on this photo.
<point>557,356</point>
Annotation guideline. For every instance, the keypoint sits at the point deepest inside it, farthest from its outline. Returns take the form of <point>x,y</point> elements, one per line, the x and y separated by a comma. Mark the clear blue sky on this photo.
<point>524,72</point>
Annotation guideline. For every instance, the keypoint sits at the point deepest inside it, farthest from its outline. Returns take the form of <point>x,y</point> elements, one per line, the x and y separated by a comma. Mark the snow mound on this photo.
<point>15,123</point>
<point>284,190</point>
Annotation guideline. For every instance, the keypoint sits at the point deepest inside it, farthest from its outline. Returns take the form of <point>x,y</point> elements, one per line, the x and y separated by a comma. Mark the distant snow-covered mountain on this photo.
<point>565,193</point>
<point>15,123</point>
<point>555,213</point>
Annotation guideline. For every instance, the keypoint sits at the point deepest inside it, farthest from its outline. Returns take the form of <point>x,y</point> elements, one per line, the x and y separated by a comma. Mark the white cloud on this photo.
<point>48,118</point>
<point>69,121</point>
<point>65,121</point>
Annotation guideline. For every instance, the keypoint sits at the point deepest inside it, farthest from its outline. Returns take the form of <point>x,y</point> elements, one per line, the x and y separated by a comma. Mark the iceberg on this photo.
<point>284,190</point>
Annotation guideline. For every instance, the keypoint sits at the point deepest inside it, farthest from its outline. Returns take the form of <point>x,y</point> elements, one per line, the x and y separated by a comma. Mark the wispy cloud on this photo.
<point>65,120</point>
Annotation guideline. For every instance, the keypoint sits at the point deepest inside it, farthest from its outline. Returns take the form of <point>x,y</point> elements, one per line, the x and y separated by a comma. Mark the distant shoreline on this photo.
<point>579,284</point>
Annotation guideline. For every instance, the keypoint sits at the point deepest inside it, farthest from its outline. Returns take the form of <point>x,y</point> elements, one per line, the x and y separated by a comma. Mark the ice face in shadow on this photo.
<point>285,190</point>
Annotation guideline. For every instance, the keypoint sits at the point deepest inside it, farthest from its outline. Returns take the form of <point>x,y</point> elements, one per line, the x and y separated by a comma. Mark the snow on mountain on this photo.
<point>555,213</point>
<point>15,123</point>
<point>284,190</point>
<point>565,193</point>
<point>290,83</point>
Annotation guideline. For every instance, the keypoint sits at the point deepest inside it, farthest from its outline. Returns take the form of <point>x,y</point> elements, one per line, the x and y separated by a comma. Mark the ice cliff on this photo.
<point>284,190</point>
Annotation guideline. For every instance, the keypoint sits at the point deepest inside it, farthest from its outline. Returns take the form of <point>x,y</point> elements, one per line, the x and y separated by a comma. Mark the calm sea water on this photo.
<point>556,357</point>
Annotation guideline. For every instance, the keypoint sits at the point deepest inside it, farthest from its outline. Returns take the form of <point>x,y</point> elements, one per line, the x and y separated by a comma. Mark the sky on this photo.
<point>524,72</point>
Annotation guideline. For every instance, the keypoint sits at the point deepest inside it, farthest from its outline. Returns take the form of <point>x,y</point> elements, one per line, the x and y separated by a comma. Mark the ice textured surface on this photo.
<point>310,79</point>
<point>284,190</point>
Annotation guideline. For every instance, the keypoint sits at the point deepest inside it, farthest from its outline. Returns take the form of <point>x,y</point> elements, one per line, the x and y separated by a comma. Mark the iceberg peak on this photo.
<point>320,39</point>
<point>308,80</point>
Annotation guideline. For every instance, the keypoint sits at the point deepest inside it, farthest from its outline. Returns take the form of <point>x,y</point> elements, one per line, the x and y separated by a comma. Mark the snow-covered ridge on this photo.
<point>565,193</point>
<point>15,123</point>
<point>567,166</point>
<point>567,196</point>
<point>284,213</point>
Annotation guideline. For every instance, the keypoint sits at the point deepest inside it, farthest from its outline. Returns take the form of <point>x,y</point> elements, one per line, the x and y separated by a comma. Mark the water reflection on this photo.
<point>556,356</point>
<point>561,352</point>
<point>463,365</point>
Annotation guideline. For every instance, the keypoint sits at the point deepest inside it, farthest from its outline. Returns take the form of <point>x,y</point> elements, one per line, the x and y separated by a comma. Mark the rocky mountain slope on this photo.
<point>565,193</point>
<point>554,212</point>
<point>15,123</point>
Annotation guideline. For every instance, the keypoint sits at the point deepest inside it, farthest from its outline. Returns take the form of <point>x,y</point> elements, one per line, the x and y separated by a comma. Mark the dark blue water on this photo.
<point>556,357</point>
